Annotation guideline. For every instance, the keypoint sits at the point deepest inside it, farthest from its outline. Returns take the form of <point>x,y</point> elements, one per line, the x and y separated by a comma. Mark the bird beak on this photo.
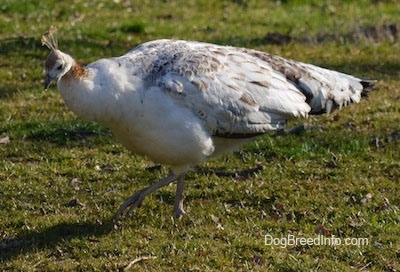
<point>47,81</point>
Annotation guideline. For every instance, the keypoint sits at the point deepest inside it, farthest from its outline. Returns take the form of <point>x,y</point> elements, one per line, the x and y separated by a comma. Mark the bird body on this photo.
<point>181,102</point>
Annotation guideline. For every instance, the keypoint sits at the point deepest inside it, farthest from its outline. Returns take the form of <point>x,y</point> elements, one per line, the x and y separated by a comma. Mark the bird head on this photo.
<point>57,63</point>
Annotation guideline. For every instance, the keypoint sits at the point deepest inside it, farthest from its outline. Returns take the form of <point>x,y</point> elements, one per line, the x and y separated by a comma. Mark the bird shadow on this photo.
<point>235,174</point>
<point>51,237</point>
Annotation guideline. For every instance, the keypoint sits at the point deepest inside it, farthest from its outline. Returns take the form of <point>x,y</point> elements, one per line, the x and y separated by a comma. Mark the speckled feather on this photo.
<point>239,92</point>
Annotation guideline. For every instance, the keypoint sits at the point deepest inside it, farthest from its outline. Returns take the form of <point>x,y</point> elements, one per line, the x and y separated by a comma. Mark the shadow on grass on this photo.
<point>61,136</point>
<point>7,90</point>
<point>60,132</point>
<point>31,241</point>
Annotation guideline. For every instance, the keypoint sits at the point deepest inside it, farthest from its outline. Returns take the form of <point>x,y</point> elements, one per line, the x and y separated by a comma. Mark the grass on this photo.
<point>62,178</point>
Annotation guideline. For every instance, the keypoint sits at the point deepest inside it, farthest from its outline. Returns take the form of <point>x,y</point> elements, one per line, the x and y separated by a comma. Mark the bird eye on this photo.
<point>59,67</point>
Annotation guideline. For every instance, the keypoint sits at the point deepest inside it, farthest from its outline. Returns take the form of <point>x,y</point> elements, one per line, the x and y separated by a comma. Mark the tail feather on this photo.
<point>327,90</point>
<point>368,85</point>
<point>324,89</point>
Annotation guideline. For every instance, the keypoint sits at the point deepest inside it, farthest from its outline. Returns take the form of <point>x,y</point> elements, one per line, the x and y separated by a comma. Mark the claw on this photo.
<point>137,198</point>
<point>131,202</point>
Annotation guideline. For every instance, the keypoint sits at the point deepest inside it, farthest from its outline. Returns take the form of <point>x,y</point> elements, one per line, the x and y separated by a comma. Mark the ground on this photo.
<point>62,178</point>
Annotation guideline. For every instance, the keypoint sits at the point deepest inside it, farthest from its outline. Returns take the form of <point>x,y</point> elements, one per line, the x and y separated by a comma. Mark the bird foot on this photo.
<point>136,199</point>
<point>131,202</point>
<point>179,212</point>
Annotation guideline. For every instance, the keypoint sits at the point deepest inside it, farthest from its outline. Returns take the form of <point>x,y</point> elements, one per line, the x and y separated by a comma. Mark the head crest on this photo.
<point>49,38</point>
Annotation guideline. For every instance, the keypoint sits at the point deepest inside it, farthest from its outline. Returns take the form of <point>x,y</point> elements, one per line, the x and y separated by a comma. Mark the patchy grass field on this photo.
<point>62,178</point>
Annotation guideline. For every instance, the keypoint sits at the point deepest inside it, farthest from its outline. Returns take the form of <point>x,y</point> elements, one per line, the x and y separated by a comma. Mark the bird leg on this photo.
<point>179,197</point>
<point>136,199</point>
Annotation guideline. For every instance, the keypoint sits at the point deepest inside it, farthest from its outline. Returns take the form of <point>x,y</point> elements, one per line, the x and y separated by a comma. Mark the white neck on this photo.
<point>77,88</point>
<point>69,62</point>
<point>92,96</point>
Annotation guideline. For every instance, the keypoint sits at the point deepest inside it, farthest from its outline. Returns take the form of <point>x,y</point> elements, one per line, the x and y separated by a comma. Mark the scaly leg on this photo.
<point>136,199</point>
<point>179,197</point>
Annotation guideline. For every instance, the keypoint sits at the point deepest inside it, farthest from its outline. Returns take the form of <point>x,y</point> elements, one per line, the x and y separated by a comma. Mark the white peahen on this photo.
<point>182,102</point>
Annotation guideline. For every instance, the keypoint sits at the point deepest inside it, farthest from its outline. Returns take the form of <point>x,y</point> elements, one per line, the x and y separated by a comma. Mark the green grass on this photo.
<point>62,178</point>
